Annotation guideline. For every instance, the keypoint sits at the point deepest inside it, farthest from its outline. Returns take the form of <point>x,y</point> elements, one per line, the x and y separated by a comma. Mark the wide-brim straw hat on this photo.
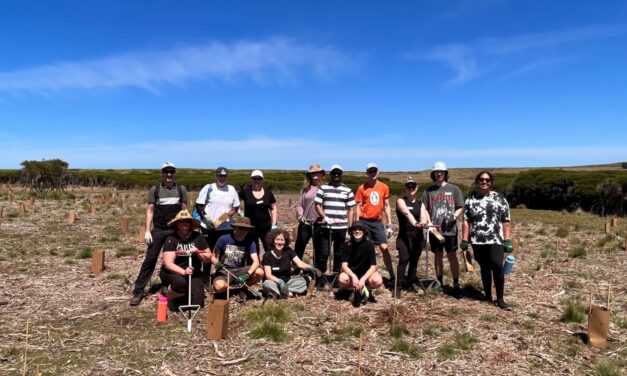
<point>184,215</point>
<point>315,167</point>
<point>242,222</point>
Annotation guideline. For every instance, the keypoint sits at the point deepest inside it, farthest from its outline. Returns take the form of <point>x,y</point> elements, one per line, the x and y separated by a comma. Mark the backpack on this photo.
<point>195,213</point>
<point>179,188</point>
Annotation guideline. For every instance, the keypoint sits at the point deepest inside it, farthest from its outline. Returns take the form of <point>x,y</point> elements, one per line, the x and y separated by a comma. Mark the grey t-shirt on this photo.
<point>441,203</point>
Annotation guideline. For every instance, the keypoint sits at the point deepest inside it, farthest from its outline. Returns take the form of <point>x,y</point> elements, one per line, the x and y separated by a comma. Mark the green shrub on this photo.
<point>607,368</point>
<point>561,232</point>
<point>577,252</point>
<point>84,253</point>
<point>406,347</point>
<point>432,330</point>
<point>125,251</point>
<point>398,330</point>
<point>270,330</point>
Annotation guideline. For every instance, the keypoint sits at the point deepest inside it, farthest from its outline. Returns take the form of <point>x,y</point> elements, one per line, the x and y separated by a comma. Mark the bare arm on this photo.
<point>507,230</point>
<point>299,263</point>
<point>255,264</point>
<point>150,213</point>
<point>168,263</point>
<point>424,215</point>
<point>274,213</point>
<point>267,269</point>
<point>388,211</point>
<point>465,230</point>
<point>319,210</point>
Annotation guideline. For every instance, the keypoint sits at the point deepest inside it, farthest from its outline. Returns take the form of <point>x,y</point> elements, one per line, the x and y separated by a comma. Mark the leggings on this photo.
<point>304,234</point>
<point>409,248</point>
<point>490,258</point>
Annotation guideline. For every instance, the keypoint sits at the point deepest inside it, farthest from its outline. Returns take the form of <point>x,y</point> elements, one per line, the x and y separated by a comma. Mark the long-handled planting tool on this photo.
<point>189,310</point>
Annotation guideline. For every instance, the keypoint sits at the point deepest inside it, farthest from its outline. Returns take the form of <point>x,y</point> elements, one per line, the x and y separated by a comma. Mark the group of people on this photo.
<point>344,228</point>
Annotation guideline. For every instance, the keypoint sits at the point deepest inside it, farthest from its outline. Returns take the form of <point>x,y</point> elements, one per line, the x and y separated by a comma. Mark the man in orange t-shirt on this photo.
<point>372,198</point>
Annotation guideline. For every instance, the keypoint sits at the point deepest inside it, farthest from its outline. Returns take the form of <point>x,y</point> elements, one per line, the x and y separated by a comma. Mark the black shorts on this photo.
<point>376,231</point>
<point>450,243</point>
<point>234,273</point>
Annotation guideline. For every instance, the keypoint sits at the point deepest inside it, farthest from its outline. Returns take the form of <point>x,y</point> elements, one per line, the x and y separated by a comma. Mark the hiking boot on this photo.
<point>457,292</point>
<point>357,298</point>
<point>320,284</point>
<point>137,298</point>
<point>371,298</point>
<point>284,291</point>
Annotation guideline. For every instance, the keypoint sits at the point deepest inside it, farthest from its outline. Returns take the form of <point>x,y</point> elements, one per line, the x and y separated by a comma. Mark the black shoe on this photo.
<point>357,298</point>
<point>320,284</point>
<point>285,291</point>
<point>457,292</point>
<point>502,305</point>
<point>371,298</point>
<point>137,298</point>
<point>396,293</point>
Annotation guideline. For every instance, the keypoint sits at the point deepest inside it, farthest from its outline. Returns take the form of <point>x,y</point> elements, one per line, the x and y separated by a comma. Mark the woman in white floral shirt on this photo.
<point>487,227</point>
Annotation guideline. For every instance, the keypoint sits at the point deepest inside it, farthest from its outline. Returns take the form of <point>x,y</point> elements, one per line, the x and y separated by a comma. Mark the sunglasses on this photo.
<point>410,186</point>
<point>336,173</point>
<point>169,171</point>
<point>484,180</point>
<point>257,178</point>
<point>372,171</point>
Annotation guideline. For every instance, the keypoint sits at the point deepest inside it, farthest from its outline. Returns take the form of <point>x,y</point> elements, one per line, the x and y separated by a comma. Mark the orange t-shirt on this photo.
<point>372,199</point>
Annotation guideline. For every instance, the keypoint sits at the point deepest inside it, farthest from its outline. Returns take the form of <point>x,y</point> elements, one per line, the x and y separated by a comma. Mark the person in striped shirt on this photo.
<point>334,203</point>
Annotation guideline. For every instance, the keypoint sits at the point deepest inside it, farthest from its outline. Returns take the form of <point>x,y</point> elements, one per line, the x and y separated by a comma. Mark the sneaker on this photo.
<point>137,298</point>
<point>502,305</point>
<point>357,298</point>
<point>371,298</point>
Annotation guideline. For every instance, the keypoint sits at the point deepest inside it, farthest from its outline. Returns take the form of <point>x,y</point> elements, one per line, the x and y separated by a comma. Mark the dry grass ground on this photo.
<point>80,323</point>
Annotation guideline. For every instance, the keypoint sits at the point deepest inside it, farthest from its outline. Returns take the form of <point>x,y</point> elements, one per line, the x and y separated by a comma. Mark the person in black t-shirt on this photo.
<point>176,271</point>
<point>359,265</point>
<point>277,265</point>
<point>260,207</point>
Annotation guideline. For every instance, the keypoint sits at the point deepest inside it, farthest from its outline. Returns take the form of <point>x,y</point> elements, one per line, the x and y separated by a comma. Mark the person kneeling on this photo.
<point>277,265</point>
<point>359,266</point>
<point>235,257</point>
<point>176,270</point>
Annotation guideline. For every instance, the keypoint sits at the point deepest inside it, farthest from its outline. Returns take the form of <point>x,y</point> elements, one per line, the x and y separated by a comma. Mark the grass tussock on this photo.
<point>268,322</point>
<point>561,232</point>
<point>607,368</point>
<point>462,341</point>
<point>577,252</point>
<point>398,330</point>
<point>404,346</point>
<point>125,251</point>
<point>574,311</point>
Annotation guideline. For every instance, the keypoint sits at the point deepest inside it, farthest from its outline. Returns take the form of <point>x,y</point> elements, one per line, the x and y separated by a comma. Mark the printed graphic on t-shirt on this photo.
<point>486,215</point>
<point>234,256</point>
<point>374,198</point>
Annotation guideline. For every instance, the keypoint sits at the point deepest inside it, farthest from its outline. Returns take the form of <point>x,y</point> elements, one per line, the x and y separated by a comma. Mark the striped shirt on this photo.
<point>335,202</point>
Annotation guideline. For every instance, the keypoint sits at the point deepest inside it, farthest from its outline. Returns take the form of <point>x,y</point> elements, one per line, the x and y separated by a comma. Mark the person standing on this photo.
<point>260,206</point>
<point>412,217</point>
<point>306,210</point>
<point>164,202</point>
<point>334,203</point>
<point>445,203</point>
<point>487,227</point>
<point>216,204</point>
<point>373,197</point>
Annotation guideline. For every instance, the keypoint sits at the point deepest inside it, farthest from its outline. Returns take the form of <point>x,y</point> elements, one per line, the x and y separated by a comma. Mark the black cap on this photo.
<point>222,171</point>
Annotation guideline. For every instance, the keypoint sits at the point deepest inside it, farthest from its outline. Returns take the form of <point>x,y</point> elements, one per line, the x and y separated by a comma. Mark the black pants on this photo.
<point>180,284</point>
<point>325,235</point>
<point>152,255</point>
<point>490,258</point>
<point>409,248</point>
<point>303,236</point>
<point>260,234</point>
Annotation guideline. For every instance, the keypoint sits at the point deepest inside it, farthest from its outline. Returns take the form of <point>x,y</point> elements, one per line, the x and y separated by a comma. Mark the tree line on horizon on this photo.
<point>599,192</point>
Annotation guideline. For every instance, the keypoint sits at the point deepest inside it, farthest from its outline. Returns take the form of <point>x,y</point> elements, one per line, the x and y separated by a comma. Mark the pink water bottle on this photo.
<point>162,309</point>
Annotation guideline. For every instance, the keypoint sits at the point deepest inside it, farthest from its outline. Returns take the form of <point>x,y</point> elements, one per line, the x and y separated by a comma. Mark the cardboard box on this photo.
<point>217,325</point>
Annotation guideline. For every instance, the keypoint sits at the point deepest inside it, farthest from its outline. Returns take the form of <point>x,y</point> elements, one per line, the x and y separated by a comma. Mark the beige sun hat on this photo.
<point>315,167</point>
<point>184,215</point>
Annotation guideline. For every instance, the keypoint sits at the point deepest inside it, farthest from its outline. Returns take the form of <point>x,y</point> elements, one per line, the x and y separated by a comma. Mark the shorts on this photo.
<point>234,273</point>
<point>450,243</point>
<point>375,229</point>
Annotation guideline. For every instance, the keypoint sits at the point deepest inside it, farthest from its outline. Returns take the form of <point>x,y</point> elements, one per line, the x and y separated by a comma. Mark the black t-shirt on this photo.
<point>403,223</point>
<point>359,255</point>
<point>281,267</point>
<point>258,210</point>
<point>195,242</point>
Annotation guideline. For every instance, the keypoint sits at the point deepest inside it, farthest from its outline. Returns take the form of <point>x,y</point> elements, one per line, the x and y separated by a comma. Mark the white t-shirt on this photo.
<point>221,200</point>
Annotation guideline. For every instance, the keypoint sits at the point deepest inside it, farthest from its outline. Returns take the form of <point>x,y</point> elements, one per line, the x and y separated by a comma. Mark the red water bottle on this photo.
<point>162,309</point>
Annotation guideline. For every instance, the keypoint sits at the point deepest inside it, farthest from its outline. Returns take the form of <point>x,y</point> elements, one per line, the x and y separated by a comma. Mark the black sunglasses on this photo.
<point>482,180</point>
<point>169,171</point>
<point>410,186</point>
<point>257,178</point>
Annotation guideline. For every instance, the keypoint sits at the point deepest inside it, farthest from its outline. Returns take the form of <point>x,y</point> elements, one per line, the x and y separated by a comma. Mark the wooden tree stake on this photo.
<point>92,209</point>
<point>124,225</point>
<point>71,217</point>
<point>97,261</point>
<point>25,349</point>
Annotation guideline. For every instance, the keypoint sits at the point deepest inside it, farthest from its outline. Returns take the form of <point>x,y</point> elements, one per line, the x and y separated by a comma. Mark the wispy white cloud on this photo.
<point>470,60</point>
<point>297,153</point>
<point>272,60</point>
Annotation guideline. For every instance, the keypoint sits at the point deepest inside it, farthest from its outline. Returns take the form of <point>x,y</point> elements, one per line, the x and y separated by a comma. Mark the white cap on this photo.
<point>439,166</point>
<point>371,165</point>
<point>168,164</point>
<point>337,167</point>
<point>256,173</point>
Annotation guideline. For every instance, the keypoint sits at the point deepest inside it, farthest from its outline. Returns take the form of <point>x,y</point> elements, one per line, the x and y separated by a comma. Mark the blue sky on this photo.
<point>282,84</point>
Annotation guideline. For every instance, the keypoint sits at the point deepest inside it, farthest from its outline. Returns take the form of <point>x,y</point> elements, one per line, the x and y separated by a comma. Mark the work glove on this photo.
<point>243,278</point>
<point>208,221</point>
<point>274,226</point>
<point>348,236</point>
<point>507,246</point>
<point>430,226</point>
<point>148,238</point>
<point>315,271</point>
<point>328,220</point>
<point>302,220</point>
<point>219,266</point>
<point>464,245</point>
<point>388,231</point>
